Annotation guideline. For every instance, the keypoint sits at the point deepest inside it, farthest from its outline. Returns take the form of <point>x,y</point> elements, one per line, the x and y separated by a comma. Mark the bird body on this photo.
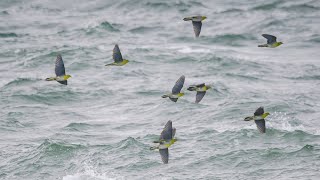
<point>61,76</point>
<point>250,118</point>
<point>258,117</point>
<point>117,57</point>
<point>201,91</point>
<point>271,41</point>
<point>196,22</point>
<point>165,141</point>
<point>175,93</point>
<point>164,144</point>
<point>125,61</point>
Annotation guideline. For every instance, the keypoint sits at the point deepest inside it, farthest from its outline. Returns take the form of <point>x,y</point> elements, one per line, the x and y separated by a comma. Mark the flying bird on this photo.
<point>271,41</point>
<point>196,22</point>
<point>165,141</point>
<point>201,91</point>
<point>176,90</point>
<point>117,57</point>
<point>60,71</point>
<point>258,118</point>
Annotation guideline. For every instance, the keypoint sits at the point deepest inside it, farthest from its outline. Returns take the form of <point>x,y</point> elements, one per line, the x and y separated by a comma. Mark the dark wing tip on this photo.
<point>259,111</point>
<point>199,96</point>
<point>173,99</point>
<point>164,153</point>
<point>63,82</point>
<point>178,85</point>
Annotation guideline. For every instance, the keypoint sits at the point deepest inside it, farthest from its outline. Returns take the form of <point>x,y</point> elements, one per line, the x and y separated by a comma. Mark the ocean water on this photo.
<point>102,124</point>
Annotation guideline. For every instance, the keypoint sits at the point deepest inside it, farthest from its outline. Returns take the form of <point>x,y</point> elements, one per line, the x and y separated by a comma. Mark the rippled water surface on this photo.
<point>102,124</point>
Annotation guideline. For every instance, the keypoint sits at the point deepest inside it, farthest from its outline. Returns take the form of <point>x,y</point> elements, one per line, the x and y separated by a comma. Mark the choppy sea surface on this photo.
<point>102,124</point>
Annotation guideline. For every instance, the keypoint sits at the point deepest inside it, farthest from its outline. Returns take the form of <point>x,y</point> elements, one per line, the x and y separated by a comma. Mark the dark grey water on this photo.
<point>102,124</point>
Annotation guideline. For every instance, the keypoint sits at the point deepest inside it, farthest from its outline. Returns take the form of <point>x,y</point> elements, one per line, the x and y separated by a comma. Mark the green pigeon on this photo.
<point>117,57</point>
<point>196,22</point>
<point>60,71</point>
<point>165,141</point>
<point>271,41</point>
<point>258,118</point>
<point>201,91</point>
<point>176,94</point>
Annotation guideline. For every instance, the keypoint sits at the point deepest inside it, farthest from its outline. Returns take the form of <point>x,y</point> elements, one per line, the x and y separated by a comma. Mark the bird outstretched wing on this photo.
<point>178,86</point>
<point>200,95</point>
<point>166,133</point>
<point>117,57</point>
<point>164,153</point>
<point>270,39</point>
<point>173,132</point>
<point>63,82</point>
<point>259,111</point>
<point>197,27</point>
<point>261,125</point>
<point>59,69</point>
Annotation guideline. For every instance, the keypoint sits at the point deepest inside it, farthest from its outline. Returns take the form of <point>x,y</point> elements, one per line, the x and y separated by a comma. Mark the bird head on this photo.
<point>180,94</point>
<point>209,87</point>
<point>264,115</point>
<point>203,18</point>
<point>125,61</point>
<point>67,76</point>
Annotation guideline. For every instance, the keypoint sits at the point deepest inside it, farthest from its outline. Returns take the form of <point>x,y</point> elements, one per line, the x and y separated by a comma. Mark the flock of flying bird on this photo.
<point>167,135</point>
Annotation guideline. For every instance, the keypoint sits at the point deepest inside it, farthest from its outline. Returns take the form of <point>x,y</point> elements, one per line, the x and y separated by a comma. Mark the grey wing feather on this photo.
<point>166,133</point>
<point>261,125</point>
<point>173,132</point>
<point>117,57</point>
<point>197,27</point>
<point>270,39</point>
<point>178,86</point>
<point>164,153</point>
<point>199,96</point>
<point>59,69</point>
<point>63,82</point>
<point>259,111</point>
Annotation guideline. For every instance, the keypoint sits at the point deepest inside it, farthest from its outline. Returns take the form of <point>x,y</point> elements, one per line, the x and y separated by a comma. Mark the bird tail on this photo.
<point>51,79</point>
<point>248,118</point>
<point>111,64</point>
<point>263,45</point>
<point>164,96</point>
<point>187,19</point>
